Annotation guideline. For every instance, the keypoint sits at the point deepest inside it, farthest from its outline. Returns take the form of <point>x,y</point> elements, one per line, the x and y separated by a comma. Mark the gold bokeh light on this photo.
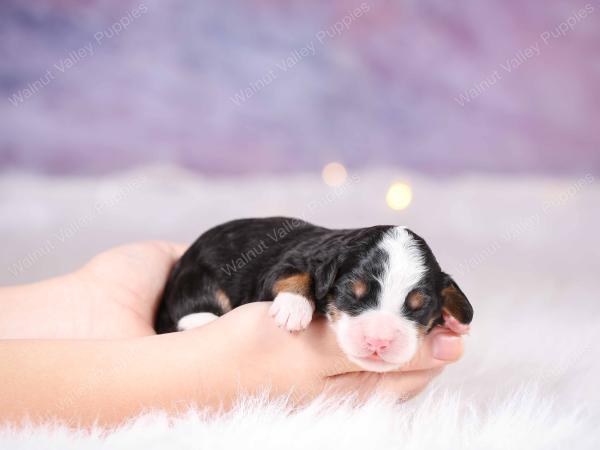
<point>334,174</point>
<point>399,196</point>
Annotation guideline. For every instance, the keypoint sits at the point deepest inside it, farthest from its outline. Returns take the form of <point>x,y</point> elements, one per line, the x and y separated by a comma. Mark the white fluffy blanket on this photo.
<point>525,250</point>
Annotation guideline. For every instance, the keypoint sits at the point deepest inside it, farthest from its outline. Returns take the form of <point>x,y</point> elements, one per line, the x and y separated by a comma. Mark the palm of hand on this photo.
<point>120,289</point>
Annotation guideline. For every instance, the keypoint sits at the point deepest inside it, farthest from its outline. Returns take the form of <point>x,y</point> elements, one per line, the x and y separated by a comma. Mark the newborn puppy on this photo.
<point>380,287</point>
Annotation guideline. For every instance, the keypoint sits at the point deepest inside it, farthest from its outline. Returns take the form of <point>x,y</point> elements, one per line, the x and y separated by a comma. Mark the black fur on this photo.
<point>245,258</point>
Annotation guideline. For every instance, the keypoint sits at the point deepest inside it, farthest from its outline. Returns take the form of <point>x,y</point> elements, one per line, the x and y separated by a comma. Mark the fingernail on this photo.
<point>447,347</point>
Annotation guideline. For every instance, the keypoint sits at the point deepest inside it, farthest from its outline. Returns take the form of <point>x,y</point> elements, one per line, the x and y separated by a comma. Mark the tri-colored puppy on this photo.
<point>380,287</point>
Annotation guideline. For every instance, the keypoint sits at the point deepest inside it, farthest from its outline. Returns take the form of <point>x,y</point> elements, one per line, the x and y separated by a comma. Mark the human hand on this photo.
<point>125,285</point>
<point>114,295</point>
<point>310,362</point>
<point>241,353</point>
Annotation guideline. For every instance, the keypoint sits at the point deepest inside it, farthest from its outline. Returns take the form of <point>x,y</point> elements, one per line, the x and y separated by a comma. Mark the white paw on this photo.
<point>292,311</point>
<point>195,320</point>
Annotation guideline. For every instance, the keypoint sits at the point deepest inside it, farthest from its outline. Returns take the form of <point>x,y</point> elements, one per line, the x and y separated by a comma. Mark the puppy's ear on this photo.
<point>324,277</point>
<point>456,309</point>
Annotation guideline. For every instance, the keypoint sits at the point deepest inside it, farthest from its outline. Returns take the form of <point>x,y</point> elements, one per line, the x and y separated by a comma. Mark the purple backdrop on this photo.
<point>228,87</point>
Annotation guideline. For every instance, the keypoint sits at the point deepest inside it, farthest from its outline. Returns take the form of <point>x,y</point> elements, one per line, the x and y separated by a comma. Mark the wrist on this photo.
<point>206,367</point>
<point>27,310</point>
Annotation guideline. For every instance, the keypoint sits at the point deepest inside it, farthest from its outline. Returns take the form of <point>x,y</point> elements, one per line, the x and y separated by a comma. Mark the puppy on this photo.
<point>380,287</point>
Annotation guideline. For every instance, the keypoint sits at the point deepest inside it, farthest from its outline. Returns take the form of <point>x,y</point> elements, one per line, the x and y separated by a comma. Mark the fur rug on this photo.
<point>525,250</point>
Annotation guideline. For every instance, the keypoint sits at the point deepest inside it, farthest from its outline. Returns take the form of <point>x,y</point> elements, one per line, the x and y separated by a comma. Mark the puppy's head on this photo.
<point>385,295</point>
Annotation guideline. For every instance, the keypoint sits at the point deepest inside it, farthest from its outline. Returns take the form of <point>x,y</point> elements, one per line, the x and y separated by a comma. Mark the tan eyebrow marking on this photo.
<point>359,288</point>
<point>415,300</point>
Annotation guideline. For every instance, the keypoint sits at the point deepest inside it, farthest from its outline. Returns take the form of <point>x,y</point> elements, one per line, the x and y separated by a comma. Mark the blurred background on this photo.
<point>474,123</point>
<point>225,87</point>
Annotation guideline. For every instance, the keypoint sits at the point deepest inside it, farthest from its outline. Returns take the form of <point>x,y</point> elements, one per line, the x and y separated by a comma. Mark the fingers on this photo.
<point>400,386</point>
<point>177,249</point>
<point>453,324</point>
<point>145,249</point>
<point>173,249</point>
<point>406,385</point>
<point>438,348</point>
<point>329,357</point>
<point>319,348</point>
<point>316,346</point>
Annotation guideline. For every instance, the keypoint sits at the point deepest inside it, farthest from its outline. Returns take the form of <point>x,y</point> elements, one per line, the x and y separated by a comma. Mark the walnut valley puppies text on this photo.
<point>77,55</point>
<point>293,58</point>
<point>546,39</point>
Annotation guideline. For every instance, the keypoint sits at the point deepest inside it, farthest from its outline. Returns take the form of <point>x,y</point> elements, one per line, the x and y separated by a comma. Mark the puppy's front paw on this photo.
<point>292,311</point>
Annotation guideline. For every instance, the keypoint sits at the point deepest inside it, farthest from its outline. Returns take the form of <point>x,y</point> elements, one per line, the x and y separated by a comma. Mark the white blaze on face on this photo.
<point>404,269</point>
<point>383,339</point>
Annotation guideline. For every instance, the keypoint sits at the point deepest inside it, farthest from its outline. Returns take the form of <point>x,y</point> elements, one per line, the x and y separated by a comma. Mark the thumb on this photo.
<point>332,361</point>
<point>400,386</point>
<point>438,348</point>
